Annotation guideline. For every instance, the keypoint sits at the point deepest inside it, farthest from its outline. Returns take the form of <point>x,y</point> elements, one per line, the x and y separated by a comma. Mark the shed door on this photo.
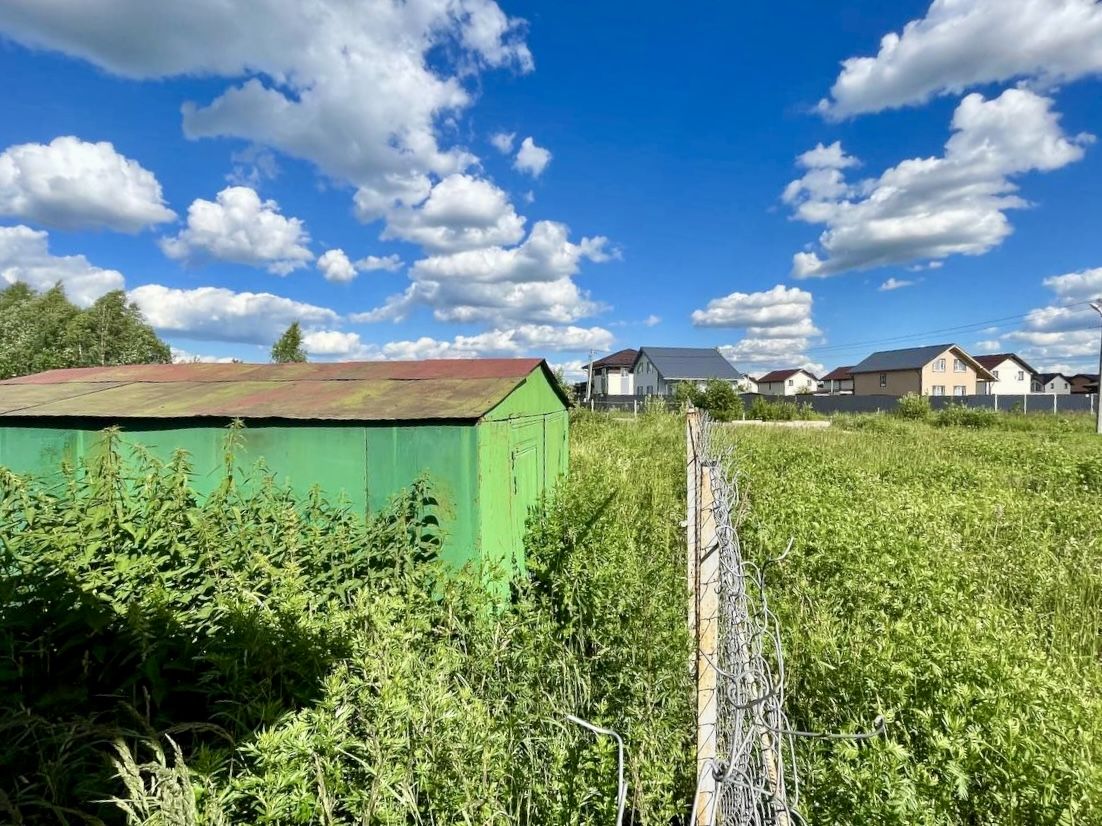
<point>527,480</point>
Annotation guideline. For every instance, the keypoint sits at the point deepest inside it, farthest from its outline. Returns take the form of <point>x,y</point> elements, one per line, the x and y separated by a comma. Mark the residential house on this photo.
<point>1013,375</point>
<point>658,370</point>
<point>612,374</point>
<point>1053,383</point>
<point>937,370</point>
<point>1084,383</point>
<point>787,382</point>
<point>837,382</point>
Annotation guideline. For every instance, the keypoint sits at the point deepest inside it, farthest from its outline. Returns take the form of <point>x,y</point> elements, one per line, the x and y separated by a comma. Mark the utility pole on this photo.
<point>589,381</point>
<point>1097,307</point>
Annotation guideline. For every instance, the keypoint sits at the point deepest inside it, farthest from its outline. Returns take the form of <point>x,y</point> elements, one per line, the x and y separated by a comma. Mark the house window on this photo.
<point>1021,375</point>
<point>938,390</point>
<point>995,373</point>
<point>623,371</point>
<point>939,366</point>
<point>958,389</point>
<point>790,382</point>
<point>959,366</point>
<point>883,379</point>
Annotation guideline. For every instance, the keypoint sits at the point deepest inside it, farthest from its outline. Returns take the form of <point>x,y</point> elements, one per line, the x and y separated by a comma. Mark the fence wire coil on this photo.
<point>751,779</point>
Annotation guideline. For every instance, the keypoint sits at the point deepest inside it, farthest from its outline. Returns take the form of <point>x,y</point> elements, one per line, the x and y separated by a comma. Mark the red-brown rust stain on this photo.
<point>345,399</point>
<point>337,371</point>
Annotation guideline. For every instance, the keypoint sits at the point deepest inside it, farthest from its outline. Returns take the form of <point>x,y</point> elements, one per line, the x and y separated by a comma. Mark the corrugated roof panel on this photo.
<point>363,391</point>
<point>335,371</point>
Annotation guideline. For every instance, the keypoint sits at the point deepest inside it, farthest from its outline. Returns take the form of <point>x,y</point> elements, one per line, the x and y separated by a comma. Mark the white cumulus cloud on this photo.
<point>1066,331</point>
<point>774,307</point>
<point>72,184</point>
<point>387,263</point>
<point>964,43</point>
<point>926,209</point>
<point>531,158</point>
<point>461,213</point>
<point>777,327</point>
<point>356,88</point>
<point>503,141</point>
<point>220,314</point>
<point>25,257</point>
<point>239,227</point>
<point>335,266</point>
<point>532,282</point>
<point>525,339</point>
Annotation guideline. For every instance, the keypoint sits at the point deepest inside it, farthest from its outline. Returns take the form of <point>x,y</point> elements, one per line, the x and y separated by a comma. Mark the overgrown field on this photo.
<point>950,579</point>
<point>256,659</point>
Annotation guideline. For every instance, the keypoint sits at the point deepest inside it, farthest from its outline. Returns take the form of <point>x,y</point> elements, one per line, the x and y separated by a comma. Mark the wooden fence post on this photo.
<point>707,635</point>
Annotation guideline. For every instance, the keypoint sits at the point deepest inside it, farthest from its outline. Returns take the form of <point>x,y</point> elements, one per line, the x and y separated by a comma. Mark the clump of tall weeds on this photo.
<point>255,657</point>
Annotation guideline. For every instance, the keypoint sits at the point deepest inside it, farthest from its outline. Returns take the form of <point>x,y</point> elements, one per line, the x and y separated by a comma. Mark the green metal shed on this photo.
<point>491,434</point>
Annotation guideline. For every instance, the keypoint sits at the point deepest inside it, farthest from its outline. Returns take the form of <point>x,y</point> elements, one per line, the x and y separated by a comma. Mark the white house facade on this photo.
<point>1014,376</point>
<point>788,383</point>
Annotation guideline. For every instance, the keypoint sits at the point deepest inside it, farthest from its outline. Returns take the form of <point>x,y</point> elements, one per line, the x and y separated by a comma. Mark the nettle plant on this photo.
<point>250,656</point>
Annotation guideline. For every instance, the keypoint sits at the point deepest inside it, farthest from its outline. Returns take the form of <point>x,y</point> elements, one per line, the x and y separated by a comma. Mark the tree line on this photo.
<point>47,331</point>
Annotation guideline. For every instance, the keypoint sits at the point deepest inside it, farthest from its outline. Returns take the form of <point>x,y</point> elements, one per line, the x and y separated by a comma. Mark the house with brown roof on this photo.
<point>788,382</point>
<point>837,382</point>
<point>614,375</point>
<point>1012,373</point>
<point>936,370</point>
<point>1084,383</point>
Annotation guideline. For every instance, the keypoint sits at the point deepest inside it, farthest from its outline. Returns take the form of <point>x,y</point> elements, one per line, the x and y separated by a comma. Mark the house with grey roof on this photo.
<point>936,370</point>
<point>658,370</point>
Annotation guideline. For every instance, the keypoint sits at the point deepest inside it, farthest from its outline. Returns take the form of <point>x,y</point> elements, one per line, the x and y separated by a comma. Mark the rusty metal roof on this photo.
<point>345,391</point>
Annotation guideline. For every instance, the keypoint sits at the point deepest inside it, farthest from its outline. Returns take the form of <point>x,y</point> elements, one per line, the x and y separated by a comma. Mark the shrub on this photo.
<point>915,407</point>
<point>721,401</point>
<point>959,415</point>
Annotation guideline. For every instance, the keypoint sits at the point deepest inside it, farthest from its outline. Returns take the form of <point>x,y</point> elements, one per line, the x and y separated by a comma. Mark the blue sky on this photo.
<point>655,179</point>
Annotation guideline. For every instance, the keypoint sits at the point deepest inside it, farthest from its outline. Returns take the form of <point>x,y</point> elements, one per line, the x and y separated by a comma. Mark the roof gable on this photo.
<point>464,389</point>
<point>621,358</point>
<point>995,359</point>
<point>674,363</point>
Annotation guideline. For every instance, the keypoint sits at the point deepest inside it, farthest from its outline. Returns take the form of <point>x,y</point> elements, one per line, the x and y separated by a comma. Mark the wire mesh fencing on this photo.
<point>745,761</point>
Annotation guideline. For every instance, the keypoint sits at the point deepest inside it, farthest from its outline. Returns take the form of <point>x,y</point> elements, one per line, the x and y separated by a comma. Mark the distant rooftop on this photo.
<point>839,374</point>
<point>695,363</point>
<point>914,358</point>
<point>621,358</point>
<point>995,359</point>
<point>782,375</point>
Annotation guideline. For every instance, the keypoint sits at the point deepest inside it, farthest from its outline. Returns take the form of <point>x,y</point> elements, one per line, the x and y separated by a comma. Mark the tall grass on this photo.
<point>950,579</point>
<point>257,658</point>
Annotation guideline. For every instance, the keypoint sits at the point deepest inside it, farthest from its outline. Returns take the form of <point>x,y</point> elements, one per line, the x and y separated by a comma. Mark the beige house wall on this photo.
<point>949,378</point>
<point>900,382</point>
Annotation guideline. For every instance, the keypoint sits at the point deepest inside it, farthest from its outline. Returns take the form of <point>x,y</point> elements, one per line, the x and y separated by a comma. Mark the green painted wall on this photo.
<point>486,476</point>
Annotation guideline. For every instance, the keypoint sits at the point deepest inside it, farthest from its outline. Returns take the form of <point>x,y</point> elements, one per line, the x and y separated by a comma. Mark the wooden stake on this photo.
<point>707,635</point>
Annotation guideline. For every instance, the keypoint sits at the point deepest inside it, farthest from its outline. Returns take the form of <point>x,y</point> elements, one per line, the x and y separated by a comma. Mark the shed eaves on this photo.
<point>675,363</point>
<point>458,389</point>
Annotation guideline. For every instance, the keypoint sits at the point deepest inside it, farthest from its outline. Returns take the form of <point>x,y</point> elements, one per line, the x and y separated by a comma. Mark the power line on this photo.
<point>976,325</point>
